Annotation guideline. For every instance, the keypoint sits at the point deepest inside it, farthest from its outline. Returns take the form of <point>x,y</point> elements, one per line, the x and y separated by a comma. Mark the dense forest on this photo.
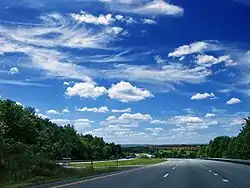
<point>28,143</point>
<point>230,147</point>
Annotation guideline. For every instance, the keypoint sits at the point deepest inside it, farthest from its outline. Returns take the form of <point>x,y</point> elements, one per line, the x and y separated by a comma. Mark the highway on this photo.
<point>175,173</point>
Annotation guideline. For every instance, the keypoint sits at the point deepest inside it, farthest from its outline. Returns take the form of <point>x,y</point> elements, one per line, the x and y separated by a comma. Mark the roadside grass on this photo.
<point>66,174</point>
<point>140,161</point>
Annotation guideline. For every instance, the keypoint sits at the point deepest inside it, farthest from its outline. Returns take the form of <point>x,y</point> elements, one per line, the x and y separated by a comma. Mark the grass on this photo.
<point>140,161</point>
<point>66,175</point>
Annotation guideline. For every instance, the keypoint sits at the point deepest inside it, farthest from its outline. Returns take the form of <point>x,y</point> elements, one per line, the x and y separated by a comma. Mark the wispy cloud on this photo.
<point>155,7</point>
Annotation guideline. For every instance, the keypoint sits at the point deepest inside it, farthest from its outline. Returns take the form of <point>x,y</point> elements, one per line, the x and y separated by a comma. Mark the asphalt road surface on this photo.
<point>176,173</point>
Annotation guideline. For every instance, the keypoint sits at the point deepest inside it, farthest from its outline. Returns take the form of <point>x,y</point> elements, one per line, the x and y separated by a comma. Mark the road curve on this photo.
<point>176,173</point>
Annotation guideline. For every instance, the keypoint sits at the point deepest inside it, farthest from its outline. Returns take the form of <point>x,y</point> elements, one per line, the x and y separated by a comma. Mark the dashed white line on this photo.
<point>209,170</point>
<point>166,175</point>
<point>215,174</point>
<point>225,180</point>
<point>173,168</point>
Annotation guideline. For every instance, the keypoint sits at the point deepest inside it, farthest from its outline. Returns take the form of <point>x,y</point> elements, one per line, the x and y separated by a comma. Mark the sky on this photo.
<point>130,71</point>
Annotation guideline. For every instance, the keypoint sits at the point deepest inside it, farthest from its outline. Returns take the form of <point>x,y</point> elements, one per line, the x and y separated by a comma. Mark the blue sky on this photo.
<point>130,71</point>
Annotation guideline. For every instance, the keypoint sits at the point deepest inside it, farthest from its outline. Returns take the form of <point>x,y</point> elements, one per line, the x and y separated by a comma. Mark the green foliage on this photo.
<point>230,147</point>
<point>29,143</point>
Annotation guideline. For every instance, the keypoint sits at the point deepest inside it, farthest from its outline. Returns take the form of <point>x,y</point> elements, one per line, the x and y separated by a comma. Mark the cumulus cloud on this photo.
<point>125,92</point>
<point>52,111</point>
<point>65,110</point>
<point>233,101</point>
<point>121,110</point>
<point>155,131</point>
<point>80,125</point>
<point>187,119</point>
<point>42,116</point>
<point>199,96</point>
<point>156,121</point>
<point>14,70</point>
<point>195,47</point>
<point>122,91</point>
<point>127,120</point>
<point>209,60</point>
<point>210,115</point>
<point>148,21</point>
<point>89,18</point>
<point>103,109</point>
<point>86,90</point>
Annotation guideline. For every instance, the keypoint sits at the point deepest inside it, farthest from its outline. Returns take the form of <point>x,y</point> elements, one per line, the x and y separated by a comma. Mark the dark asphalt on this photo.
<point>176,173</point>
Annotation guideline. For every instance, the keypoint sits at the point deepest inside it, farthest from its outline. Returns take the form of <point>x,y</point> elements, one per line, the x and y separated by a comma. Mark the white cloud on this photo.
<point>103,109</point>
<point>130,20</point>
<point>61,121</point>
<point>52,111</point>
<point>65,110</point>
<point>163,77</point>
<point>44,53</point>
<point>85,90</point>
<point>37,110</point>
<point>237,122</point>
<point>125,92</point>
<point>155,131</point>
<point>80,125</point>
<point>89,18</point>
<point>156,121</point>
<point>14,70</point>
<point>127,120</point>
<point>148,21</point>
<point>158,7</point>
<point>199,96</point>
<point>137,117</point>
<point>121,110</point>
<point>195,47</point>
<point>20,104</point>
<point>119,17</point>
<point>186,119</point>
<point>209,60</point>
<point>155,7</point>
<point>210,115</point>
<point>66,83</point>
<point>233,101</point>
<point>42,116</point>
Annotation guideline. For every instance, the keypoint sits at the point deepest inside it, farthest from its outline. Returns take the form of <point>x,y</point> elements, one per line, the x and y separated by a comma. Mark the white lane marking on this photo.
<point>215,174</point>
<point>210,171</point>
<point>225,180</point>
<point>166,175</point>
<point>173,167</point>
<point>177,165</point>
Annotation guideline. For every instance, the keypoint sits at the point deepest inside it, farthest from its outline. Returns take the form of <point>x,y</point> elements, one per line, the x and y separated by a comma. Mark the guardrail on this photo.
<point>240,161</point>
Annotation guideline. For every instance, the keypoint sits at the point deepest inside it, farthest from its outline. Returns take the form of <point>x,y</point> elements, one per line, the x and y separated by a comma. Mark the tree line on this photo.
<point>29,142</point>
<point>230,147</point>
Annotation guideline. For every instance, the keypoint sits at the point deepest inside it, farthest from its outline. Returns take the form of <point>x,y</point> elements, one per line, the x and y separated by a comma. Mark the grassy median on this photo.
<point>141,161</point>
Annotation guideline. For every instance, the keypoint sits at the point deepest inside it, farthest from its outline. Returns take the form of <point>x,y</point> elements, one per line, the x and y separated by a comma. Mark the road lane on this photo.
<point>235,173</point>
<point>190,174</point>
<point>176,173</point>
